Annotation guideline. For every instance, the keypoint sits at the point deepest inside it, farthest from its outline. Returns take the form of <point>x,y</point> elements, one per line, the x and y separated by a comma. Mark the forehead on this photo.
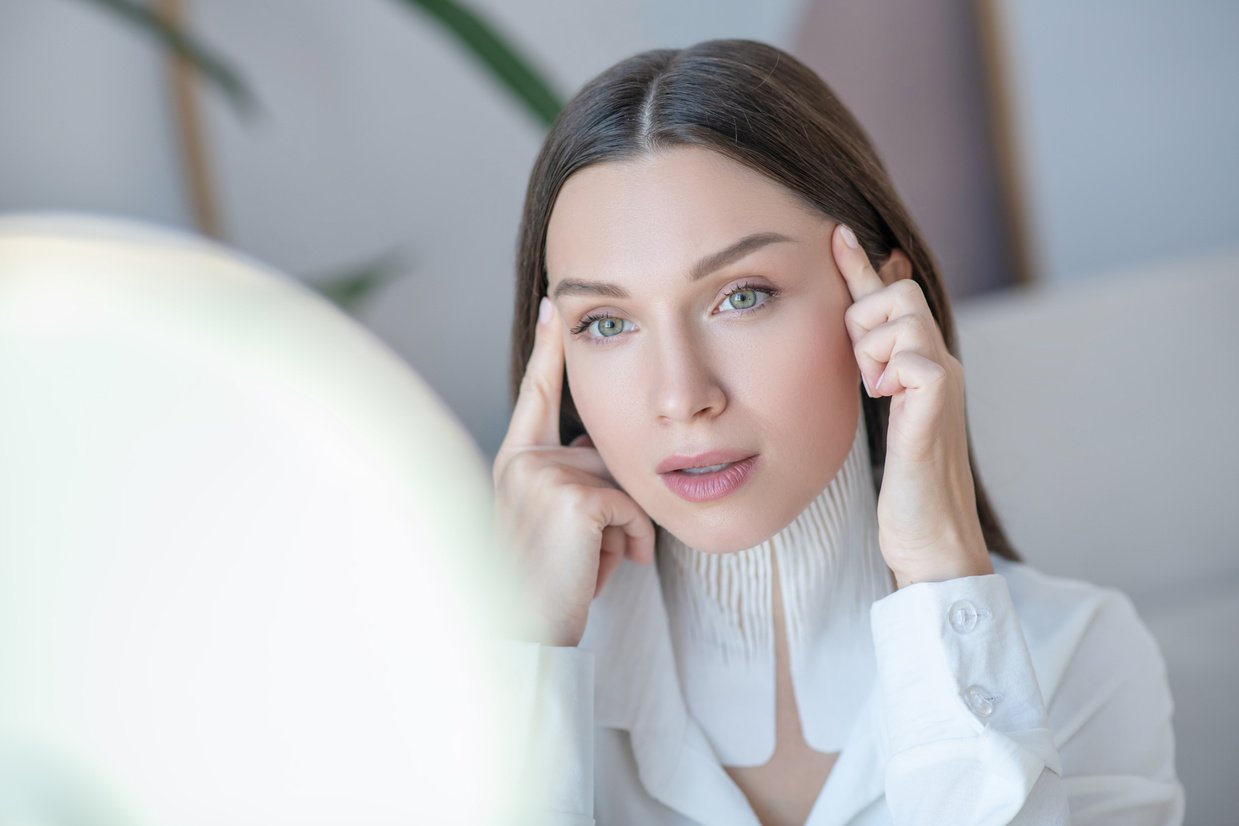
<point>663,211</point>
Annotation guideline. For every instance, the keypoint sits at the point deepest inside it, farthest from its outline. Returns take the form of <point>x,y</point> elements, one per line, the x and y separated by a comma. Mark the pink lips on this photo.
<point>703,487</point>
<point>711,457</point>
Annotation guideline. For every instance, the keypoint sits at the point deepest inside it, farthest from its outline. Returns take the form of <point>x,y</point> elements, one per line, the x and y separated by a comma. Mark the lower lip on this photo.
<point>704,487</point>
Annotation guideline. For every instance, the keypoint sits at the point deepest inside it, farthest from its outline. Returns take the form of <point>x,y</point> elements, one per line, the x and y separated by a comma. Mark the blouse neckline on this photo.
<point>661,641</point>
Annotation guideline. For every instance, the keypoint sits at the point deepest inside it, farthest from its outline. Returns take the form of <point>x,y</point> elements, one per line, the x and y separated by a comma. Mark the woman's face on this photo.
<point>662,361</point>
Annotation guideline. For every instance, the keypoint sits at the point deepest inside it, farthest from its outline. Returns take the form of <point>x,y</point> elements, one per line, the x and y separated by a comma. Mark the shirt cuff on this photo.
<point>953,664</point>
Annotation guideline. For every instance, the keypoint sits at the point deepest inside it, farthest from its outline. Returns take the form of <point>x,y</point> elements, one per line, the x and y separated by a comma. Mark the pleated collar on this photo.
<point>684,654</point>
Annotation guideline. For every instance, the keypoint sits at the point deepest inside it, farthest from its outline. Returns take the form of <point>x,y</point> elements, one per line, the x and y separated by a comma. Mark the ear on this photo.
<point>897,266</point>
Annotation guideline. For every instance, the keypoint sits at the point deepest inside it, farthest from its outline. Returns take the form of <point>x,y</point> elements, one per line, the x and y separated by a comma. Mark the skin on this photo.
<point>688,372</point>
<point>772,370</point>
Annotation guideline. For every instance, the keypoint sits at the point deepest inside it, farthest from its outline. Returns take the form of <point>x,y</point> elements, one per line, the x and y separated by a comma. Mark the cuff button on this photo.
<point>963,616</point>
<point>980,701</point>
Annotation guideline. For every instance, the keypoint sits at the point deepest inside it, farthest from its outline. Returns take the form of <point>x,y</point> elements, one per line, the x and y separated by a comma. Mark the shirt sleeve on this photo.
<point>970,738</point>
<point>551,694</point>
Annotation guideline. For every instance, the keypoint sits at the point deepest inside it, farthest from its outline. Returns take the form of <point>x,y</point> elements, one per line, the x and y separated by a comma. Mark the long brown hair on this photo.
<point>755,104</point>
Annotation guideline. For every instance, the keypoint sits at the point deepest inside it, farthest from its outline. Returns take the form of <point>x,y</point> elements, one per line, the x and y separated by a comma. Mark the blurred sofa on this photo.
<point>1105,426</point>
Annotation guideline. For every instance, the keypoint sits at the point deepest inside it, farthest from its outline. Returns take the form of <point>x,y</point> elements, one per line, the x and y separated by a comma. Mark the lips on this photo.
<point>700,460</point>
<point>709,485</point>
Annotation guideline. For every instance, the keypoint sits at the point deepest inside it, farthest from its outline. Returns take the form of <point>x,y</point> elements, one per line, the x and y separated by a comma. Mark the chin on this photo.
<point>716,536</point>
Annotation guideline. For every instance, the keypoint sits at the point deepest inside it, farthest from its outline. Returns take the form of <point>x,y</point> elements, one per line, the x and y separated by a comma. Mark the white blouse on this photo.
<point>1009,698</point>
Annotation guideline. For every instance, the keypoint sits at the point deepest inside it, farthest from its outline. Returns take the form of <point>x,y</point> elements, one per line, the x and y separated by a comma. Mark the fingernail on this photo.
<point>865,381</point>
<point>849,237</point>
<point>544,310</point>
<point>878,386</point>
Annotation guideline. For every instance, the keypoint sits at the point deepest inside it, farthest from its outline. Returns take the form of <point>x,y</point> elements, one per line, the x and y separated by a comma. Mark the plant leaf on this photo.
<point>350,289</point>
<point>505,63</point>
<point>177,38</point>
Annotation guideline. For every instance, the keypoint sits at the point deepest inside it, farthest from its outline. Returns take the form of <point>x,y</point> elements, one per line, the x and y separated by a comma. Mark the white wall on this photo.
<point>1128,122</point>
<point>83,120</point>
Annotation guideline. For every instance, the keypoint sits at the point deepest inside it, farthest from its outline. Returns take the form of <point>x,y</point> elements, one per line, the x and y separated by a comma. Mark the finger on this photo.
<point>584,459</point>
<point>912,372</point>
<point>606,565</point>
<point>906,333</point>
<point>639,551</point>
<point>613,544</point>
<point>593,459</point>
<point>854,265</point>
<point>535,417</point>
<point>903,297</point>
<point>614,540</point>
<point>618,509</point>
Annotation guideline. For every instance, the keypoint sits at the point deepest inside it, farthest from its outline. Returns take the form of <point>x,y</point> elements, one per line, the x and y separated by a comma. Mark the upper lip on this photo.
<point>711,457</point>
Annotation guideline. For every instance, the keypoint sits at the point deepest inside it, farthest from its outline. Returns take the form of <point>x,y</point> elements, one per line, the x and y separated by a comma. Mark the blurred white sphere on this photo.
<point>243,550</point>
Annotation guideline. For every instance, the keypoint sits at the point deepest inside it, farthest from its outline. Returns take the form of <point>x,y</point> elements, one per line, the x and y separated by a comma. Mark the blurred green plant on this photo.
<point>351,287</point>
<point>185,45</point>
<point>478,38</point>
<point>505,63</point>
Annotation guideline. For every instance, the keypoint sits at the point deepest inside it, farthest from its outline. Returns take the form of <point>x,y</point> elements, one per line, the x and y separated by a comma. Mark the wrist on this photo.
<point>943,571</point>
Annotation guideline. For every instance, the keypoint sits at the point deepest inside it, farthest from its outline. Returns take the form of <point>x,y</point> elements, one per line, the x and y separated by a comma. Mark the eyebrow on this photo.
<point>715,261</point>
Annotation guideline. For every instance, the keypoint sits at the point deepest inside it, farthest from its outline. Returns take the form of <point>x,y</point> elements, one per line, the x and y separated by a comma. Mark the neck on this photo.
<point>721,605</point>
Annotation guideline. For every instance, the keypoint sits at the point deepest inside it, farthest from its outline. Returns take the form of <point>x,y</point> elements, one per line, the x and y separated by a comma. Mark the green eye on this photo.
<point>743,299</point>
<point>608,327</point>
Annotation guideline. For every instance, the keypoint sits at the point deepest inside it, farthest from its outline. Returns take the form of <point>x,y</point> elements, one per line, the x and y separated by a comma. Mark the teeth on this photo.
<point>710,469</point>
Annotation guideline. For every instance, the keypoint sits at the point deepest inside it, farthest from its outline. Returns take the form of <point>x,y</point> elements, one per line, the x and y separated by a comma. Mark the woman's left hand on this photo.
<point>928,526</point>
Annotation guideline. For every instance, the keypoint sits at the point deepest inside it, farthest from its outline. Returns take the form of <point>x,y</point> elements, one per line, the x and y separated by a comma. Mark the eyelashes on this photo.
<point>578,331</point>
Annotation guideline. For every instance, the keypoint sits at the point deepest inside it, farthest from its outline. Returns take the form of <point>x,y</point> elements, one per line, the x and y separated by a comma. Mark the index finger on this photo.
<point>535,417</point>
<point>857,272</point>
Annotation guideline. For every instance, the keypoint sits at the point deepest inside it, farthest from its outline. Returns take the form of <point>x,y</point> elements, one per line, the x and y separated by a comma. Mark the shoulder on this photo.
<point>1077,629</point>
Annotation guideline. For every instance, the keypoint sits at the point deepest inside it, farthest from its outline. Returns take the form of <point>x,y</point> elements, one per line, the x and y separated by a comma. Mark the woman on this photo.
<point>772,589</point>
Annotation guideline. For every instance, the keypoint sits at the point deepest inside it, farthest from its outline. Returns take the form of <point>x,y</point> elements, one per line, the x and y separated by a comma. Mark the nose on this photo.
<point>687,385</point>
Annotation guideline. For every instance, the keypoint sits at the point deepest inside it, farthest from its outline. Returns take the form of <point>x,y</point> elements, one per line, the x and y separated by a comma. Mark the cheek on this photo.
<point>605,400</point>
<point>811,388</point>
<point>811,357</point>
<point>600,399</point>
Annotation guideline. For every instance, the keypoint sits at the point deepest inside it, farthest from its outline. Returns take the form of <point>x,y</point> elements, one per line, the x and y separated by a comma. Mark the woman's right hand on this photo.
<point>561,513</point>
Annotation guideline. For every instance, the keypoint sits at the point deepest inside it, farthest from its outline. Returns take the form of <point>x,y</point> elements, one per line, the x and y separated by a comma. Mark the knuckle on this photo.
<point>912,324</point>
<point>575,497</point>
<point>516,461</point>
<point>908,287</point>
<point>540,470</point>
<point>556,475</point>
<point>506,463</point>
<point>851,316</point>
<point>912,320</point>
<point>524,467</point>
